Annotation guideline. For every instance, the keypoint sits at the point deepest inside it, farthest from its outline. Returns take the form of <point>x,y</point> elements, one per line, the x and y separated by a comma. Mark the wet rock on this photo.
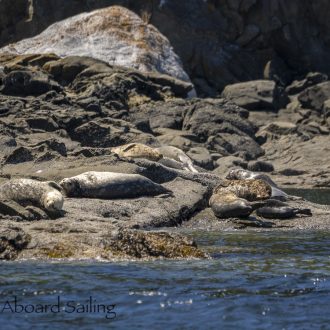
<point>152,244</point>
<point>12,241</point>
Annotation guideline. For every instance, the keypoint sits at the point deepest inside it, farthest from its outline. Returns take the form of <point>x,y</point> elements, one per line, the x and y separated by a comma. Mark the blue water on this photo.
<point>256,281</point>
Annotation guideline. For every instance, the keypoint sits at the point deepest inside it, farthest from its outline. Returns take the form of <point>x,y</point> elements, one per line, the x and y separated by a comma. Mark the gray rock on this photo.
<point>255,95</point>
<point>315,96</point>
<point>201,157</point>
<point>12,241</point>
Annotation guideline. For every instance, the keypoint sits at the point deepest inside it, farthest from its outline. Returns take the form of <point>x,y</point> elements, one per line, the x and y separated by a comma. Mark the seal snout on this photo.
<point>54,201</point>
<point>68,185</point>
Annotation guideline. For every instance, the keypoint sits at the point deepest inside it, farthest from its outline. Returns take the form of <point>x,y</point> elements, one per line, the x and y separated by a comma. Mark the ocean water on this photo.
<point>256,280</point>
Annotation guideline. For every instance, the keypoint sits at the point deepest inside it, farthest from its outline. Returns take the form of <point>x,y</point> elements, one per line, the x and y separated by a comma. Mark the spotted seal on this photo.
<point>137,150</point>
<point>233,198</point>
<point>228,205</point>
<point>241,174</point>
<point>251,190</point>
<point>110,185</point>
<point>46,195</point>
<point>178,155</point>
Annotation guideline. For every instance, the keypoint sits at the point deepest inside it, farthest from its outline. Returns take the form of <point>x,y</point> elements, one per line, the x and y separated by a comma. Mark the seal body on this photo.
<point>251,190</point>
<point>233,198</point>
<point>110,185</point>
<point>228,205</point>
<point>46,195</point>
<point>281,212</point>
<point>170,162</point>
<point>137,150</point>
<point>241,174</point>
<point>179,156</point>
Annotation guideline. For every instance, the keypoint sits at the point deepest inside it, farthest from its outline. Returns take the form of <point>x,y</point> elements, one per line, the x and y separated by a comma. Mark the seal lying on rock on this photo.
<point>137,150</point>
<point>46,195</point>
<point>281,212</point>
<point>251,190</point>
<point>108,185</point>
<point>240,174</point>
<point>179,156</point>
<point>232,198</point>
<point>228,205</point>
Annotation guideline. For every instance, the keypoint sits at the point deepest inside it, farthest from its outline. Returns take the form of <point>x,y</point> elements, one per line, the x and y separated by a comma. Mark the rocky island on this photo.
<point>111,77</point>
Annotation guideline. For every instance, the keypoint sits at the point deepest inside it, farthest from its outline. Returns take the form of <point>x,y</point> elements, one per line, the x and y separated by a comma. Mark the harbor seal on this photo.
<point>179,156</point>
<point>110,185</point>
<point>46,195</point>
<point>281,212</point>
<point>251,190</point>
<point>228,205</point>
<point>240,174</point>
<point>233,198</point>
<point>137,150</point>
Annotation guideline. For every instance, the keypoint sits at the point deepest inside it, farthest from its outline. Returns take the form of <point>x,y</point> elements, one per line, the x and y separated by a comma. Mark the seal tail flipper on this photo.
<point>294,198</point>
<point>306,212</point>
<point>188,163</point>
<point>192,168</point>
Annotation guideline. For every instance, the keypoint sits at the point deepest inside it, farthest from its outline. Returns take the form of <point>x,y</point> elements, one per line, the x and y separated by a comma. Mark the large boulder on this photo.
<point>114,34</point>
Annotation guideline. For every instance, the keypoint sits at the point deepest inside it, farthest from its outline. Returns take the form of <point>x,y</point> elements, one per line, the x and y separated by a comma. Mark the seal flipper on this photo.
<point>192,168</point>
<point>55,185</point>
<point>184,159</point>
<point>307,212</point>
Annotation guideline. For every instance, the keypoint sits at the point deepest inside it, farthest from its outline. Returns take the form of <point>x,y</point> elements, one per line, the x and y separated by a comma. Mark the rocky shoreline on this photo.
<point>60,117</point>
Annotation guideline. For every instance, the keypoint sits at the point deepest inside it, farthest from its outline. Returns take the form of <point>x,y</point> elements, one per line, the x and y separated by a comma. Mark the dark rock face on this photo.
<point>244,38</point>
<point>12,241</point>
